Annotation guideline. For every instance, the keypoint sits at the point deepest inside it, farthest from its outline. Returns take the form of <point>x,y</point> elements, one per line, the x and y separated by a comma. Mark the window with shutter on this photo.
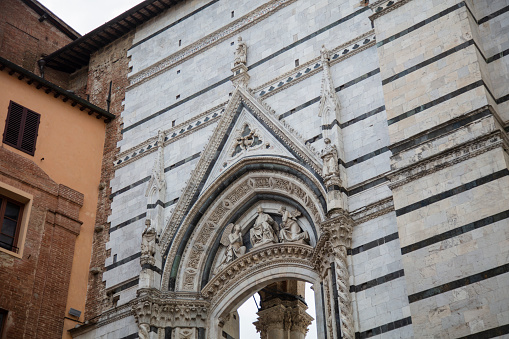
<point>21,128</point>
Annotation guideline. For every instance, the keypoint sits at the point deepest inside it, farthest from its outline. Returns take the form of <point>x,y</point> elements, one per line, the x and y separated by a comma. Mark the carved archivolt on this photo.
<point>260,259</point>
<point>225,205</point>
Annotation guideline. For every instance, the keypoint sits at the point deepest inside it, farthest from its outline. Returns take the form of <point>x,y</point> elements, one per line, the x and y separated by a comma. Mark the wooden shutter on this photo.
<point>21,128</point>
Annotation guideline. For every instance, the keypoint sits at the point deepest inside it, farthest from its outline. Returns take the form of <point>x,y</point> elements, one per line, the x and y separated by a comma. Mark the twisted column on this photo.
<point>332,250</point>
<point>345,300</point>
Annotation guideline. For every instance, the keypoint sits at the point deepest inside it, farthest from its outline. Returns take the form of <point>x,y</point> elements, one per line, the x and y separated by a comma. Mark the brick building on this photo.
<point>50,175</point>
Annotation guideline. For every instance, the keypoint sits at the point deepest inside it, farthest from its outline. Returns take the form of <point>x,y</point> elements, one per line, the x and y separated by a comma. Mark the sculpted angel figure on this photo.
<point>290,229</point>
<point>263,231</point>
<point>148,240</point>
<point>232,239</point>
<point>240,53</point>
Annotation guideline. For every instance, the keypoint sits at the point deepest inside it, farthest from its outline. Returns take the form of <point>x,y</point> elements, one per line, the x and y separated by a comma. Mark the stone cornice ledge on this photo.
<point>448,158</point>
<point>208,41</point>
<point>383,7</point>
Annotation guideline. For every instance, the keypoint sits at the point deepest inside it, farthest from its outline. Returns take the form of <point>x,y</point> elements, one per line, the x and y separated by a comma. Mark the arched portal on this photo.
<point>236,191</point>
<point>259,268</point>
<point>262,221</point>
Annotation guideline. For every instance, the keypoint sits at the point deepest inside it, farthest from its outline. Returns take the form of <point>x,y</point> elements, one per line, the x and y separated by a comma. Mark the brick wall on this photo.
<point>24,39</point>
<point>109,64</point>
<point>34,287</point>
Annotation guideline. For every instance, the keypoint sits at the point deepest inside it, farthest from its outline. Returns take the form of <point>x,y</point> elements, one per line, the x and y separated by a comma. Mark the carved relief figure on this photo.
<point>290,229</point>
<point>232,238</point>
<point>240,53</point>
<point>330,160</point>
<point>148,240</point>
<point>263,231</point>
<point>248,138</point>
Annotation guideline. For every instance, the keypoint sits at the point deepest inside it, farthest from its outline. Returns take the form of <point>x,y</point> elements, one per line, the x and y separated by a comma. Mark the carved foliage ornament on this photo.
<point>163,312</point>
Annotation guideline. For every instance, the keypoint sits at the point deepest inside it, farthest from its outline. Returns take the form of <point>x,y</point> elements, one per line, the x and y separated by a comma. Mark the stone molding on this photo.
<point>271,255</point>
<point>315,65</point>
<point>173,134</point>
<point>373,211</point>
<point>448,158</point>
<point>239,96</point>
<point>231,199</point>
<point>208,41</point>
<point>383,7</point>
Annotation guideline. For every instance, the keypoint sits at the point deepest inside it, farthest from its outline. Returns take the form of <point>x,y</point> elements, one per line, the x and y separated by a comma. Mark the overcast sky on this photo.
<point>84,16</point>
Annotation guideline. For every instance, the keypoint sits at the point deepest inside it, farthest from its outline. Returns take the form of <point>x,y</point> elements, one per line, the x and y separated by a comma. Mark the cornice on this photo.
<point>171,135</point>
<point>448,158</point>
<point>372,211</point>
<point>57,92</point>
<point>383,7</point>
<point>208,41</point>
<point>315,66</point>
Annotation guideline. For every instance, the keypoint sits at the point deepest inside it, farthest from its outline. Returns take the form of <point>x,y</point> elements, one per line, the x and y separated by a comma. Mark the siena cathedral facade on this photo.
<point>357,146</point>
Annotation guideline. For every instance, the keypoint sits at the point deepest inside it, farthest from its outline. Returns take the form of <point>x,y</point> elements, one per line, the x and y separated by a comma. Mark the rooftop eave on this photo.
<point>76,54</point>
<point>52,89</point>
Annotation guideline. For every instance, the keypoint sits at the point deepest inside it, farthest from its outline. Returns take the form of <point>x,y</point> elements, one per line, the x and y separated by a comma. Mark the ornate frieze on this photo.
<point>171,135</point>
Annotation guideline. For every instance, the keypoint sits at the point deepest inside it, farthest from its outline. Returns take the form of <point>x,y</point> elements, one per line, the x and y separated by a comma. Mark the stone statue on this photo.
<point>232,238</point>
<point>330,160</point>
<point>240,53</point>
<point>290,229</point>
<point>263,231</point>
<point>148,240</point>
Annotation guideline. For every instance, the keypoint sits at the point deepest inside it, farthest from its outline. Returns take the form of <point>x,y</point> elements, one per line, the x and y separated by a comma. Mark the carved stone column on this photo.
<point>331,261</point>
<point>270,322</point>
<point>283,311</point>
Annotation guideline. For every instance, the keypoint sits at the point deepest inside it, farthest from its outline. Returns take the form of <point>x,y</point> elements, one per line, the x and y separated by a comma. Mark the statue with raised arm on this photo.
<point>232,239</point>
<point>290,229</point>
<point>264,230</point>
<point>240,53</point>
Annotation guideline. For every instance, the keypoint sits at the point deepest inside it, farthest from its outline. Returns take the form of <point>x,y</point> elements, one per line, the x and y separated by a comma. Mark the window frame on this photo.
<point>3,206</point>
<point>22,128</point>
<point>25,199</point>
<point>5,313</point>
